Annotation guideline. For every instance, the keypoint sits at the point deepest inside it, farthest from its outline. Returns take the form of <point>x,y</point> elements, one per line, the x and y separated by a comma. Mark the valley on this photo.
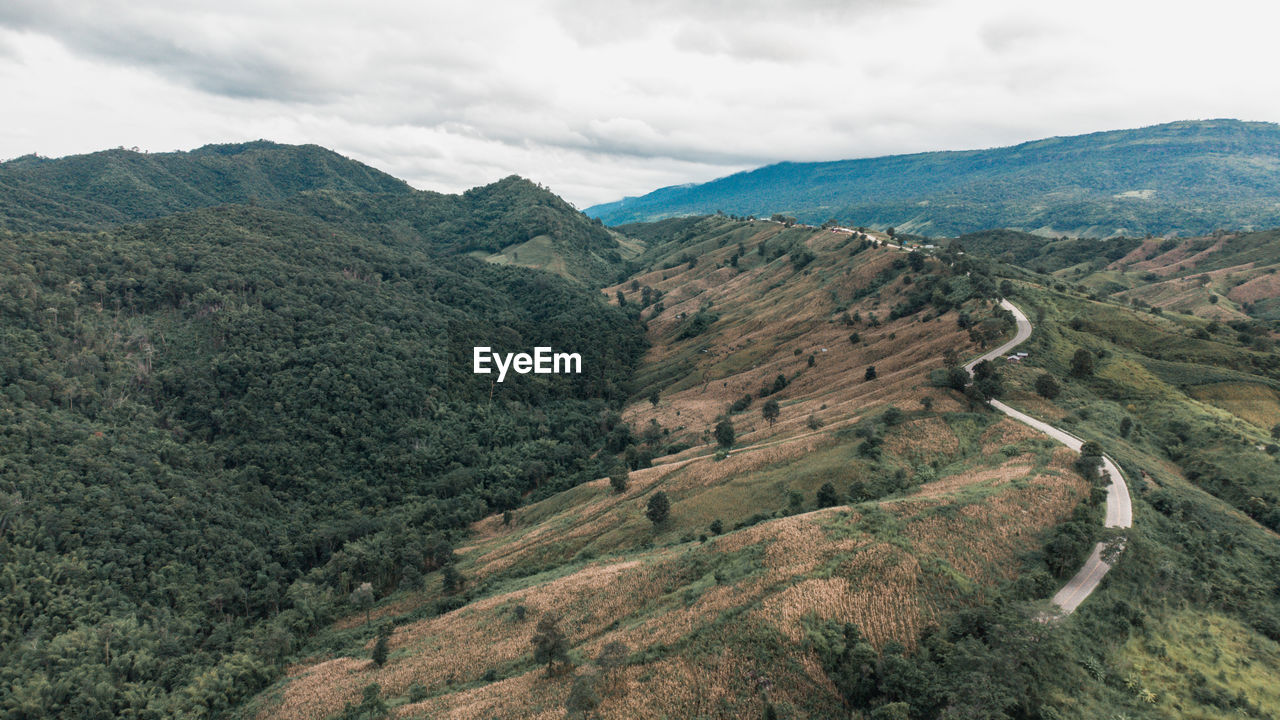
<point>250,469</point>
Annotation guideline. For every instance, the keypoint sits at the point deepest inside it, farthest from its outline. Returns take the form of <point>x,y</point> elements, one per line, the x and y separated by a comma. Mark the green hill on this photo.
<point>217,423</point>
<point>115,186</point>
<point>1187,177</point>
<point>510,222</point>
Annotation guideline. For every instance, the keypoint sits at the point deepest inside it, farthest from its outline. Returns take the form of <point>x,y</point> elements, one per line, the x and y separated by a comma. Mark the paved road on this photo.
<point>1119,509</point>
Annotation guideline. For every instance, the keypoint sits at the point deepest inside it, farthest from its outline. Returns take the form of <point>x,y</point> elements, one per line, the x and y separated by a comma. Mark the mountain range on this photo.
<point>1186,177</point>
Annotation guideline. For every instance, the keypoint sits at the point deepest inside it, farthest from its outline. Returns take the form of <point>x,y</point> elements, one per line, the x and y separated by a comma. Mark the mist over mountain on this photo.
<point>1181,177</point>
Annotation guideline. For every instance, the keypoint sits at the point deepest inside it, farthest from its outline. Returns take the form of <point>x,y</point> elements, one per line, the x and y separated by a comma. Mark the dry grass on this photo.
<point>1262,287</point>
<point>883,601</point>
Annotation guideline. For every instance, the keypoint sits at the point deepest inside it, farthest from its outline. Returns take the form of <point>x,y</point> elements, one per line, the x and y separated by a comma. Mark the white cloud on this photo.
<point>598,100</point>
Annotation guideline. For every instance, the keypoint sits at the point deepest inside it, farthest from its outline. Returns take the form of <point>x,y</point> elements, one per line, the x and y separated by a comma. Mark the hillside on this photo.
<point>1185,177</point>
<point>116,186</point>
<point>508,222</point>
<point>884,545</point>
<point>219,422</point>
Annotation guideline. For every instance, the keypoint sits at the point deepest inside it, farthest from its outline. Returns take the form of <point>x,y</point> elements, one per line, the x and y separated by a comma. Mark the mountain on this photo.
<point>1184,177</point>
<point>106,188</point>
<point>882,546</point>
<point>219,422</point>
<point>509,222</point>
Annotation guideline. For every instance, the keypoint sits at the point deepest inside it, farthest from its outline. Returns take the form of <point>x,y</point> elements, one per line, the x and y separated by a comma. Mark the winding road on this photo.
<point>1119,509</point>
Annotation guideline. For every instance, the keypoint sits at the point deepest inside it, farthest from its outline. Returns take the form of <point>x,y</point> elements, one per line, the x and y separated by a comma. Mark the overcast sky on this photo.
<point>600,99</point>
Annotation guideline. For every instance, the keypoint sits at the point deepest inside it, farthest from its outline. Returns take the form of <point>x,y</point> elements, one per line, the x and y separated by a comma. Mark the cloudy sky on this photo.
<point>600,99</point>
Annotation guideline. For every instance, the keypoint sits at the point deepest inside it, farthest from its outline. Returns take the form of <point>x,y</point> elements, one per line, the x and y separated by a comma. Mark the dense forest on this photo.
<point>219,423</point>
<point>107,188</point>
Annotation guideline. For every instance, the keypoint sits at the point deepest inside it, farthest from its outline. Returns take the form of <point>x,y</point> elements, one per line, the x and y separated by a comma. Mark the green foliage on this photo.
<point>658,508</point>
<point>96,191</point>
<point>1047,387</point>
<point>619,479</point>
<point>550,646</point>
<point>218,424</point>
<point>827,496</point>
<point>1082,363</point>
<point>724,432</point>
<point>696,324</point>
<point>770,411</point>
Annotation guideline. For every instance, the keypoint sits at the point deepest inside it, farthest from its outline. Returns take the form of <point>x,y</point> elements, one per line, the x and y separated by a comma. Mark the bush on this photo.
<point>1047,387</point>
<point>658,509</point>
<point>1082,363</point>
<point>827,496</point>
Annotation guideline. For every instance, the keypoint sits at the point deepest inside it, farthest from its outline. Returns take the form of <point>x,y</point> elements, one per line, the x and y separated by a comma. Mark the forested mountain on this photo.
<point>218,423</point>
<point>496,222</point>
<point>1185,177</point>
<point>115,186</point>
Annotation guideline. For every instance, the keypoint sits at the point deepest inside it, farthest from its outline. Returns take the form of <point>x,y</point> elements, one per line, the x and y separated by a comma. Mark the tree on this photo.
<point>724,432</point>
<point>1090,461</point>
<point>618,479</point>
<point>984,370</point>
<point>1006,288</point>
<point>870,374</point>
<point>1047,387</point>
<point>362,598</point>
<point>653,398</point>
<point>717,527</point>
<point>1275,432</point>
<point>1082,363</point>
<point>450,578</point>
<point>380,648</point>
<point>770,412</point>
<point>827,496</point>
<point>658,509</point>
<point>926,402</point>
<point>550,647</point>
<point>1126,426</point>
<point>779,384</point>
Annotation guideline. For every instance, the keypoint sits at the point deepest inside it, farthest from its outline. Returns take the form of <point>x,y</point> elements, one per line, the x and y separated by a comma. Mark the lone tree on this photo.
<point>724,432</point>
<point>1275,432</point>
<point>827,496</point>
<point>770,412</point>
<point>618,479</point>
<point>1082,363</point>
<point>653,398</point>
<point>659,508</point>
<point>870,374</point>
<point>380,648</point>
<point>1047,387</point>
<point>549,645</point>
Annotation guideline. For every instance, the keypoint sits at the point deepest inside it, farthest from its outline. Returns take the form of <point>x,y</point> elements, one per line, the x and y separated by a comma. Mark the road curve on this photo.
<point>1119,508</point>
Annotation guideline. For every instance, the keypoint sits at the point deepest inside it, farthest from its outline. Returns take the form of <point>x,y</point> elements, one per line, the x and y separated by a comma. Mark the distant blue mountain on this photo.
<point>1186,177</point>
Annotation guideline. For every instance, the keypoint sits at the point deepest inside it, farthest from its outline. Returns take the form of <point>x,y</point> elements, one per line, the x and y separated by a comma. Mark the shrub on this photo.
<point>1047,387</point>
<point>658,509</point>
